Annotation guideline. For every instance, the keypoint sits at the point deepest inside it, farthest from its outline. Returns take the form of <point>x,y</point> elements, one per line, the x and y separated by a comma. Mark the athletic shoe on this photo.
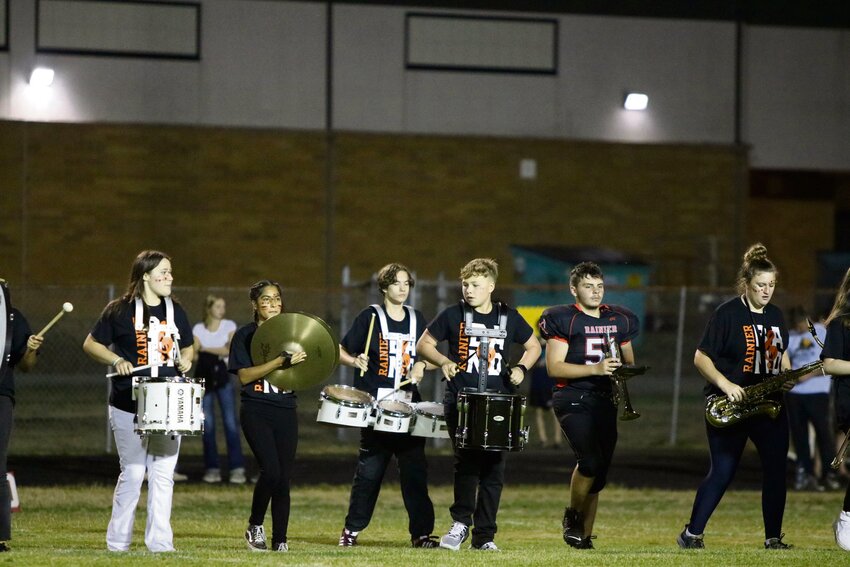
<point>456,536</point>
<point>573,525</point>
<point>776,543</point>
<point>348,538</point>
<point>237,476</point>
<point>4,547</point>
<point>180,477</point>
<point>841,527</point>
<point>489,546</point>
<point>256,538</point>
<point>688,541</point>
<point>212,476</point>
<point>426,541</point>
<point>831,481</point>
<point>806,482</point>
<point>586,543</point>
<point>282,547</point>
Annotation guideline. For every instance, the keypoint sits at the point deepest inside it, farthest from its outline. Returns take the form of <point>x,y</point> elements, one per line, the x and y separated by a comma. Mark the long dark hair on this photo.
<point>755,262</point>
<point>841,307</point>
<point>146,261</point>
<point>257,289</point>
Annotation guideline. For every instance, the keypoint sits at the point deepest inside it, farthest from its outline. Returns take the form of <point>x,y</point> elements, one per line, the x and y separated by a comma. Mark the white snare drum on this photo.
<point>344,405</point>
<point>430,420</point>
<point>393,416</point>
<point>170,405</point>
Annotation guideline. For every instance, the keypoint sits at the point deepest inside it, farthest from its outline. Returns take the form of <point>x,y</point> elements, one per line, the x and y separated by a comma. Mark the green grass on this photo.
<point>66,526</point>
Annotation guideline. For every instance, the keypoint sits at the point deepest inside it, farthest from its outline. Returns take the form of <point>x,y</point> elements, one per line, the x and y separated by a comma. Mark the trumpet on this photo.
<point>621,389</point>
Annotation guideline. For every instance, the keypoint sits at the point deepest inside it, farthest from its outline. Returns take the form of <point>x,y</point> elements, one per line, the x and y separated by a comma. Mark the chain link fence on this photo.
<point>61,403</point>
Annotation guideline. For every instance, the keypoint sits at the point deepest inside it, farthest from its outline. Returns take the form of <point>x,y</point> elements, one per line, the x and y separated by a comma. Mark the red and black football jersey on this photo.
<point>586,336</point>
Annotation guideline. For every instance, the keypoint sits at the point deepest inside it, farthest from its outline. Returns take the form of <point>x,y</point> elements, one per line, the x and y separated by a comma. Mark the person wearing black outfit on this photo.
<point>269,421</point>
<point>836,362</point>
<point>477,470</point>
<point>19,351</point>
<point>391,360</point>
<point>744,343</point>
<point>577,341</point>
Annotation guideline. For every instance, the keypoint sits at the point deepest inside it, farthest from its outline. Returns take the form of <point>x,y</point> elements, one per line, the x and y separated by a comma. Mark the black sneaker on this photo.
<point>573,528</point>
<point>4,547</point>
<point>586,543</point>
<point>256,538</point>
<point>426,541</point>
<point>776,543</point>
<point>688,541</point>
<point>348,538</point>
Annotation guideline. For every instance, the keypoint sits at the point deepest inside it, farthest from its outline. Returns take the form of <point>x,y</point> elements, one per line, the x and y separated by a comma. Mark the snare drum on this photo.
<point>490,421</point>
<point>344,405</point>
<point>393,416</point>
<point>170,405</point>
<point>430,420</point>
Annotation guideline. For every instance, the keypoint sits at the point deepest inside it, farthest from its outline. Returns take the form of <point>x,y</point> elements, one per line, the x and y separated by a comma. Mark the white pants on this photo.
<point>156,454</point>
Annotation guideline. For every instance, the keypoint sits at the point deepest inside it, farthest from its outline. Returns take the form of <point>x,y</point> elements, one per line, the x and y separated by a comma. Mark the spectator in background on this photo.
<point>540,402</point>
<point>212,345</point>
<point>808,402</point>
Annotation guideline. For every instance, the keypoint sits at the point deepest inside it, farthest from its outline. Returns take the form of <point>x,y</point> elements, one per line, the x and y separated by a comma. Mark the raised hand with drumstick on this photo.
<point>387,368</point>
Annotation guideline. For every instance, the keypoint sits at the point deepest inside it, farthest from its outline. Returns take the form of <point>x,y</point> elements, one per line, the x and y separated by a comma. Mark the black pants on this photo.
<point>802,410</point>
<point>6,421</point>
<point>589,422</point>
<point>770,436</point>
<point>478,480</point>
<point>376,450</point>
<point>272,434</point>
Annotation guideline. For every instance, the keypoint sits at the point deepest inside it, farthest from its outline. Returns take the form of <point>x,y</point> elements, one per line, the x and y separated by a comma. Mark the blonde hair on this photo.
<point>487,267</point>
<point>841,307</point>
<point>755,262</point>
<point>208,303</point>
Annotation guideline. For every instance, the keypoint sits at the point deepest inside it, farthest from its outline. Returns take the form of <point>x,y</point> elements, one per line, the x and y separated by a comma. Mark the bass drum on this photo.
<point>490,421</point>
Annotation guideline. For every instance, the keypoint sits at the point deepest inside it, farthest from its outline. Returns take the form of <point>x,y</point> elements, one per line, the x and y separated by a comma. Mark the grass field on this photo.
<point>66,526</point>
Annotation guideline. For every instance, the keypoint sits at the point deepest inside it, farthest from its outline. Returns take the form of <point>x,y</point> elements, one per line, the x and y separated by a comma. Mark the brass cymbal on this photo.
<point>296,332</point>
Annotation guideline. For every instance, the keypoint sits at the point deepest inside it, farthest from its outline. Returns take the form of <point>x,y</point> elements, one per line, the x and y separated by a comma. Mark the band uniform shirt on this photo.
<point>118,330</point>
<point>837,346</point>
<point>803,350</point>
<point>21,333</point>
<point>389,355</point>
<point>743,354</point>
<point>449,326</point>
<point>586,336</point>
<point>258,391</point>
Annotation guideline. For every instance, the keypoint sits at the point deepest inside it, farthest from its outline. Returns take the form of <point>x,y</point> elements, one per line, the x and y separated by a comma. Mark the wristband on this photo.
<point>524,370</point>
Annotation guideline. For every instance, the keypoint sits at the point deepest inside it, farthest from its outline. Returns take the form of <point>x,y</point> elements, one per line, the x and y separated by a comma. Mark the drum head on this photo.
<point>430,409</point>
<point>395,406</point>
<point>341,393</point>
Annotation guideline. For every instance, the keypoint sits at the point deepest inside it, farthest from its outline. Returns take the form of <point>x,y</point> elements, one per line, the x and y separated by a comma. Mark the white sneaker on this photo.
<point>489,546</point>
<point>180,477</point>
<point>212,476</point>
<point>237,476</point>
<point>842,531</point>
<point>456,536</point>
<point>282,547</point>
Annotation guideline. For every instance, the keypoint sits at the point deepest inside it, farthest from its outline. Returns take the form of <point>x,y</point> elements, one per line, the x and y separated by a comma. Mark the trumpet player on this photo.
<point>836,361</point>
<point>743,344</point>
<point>583,399</point>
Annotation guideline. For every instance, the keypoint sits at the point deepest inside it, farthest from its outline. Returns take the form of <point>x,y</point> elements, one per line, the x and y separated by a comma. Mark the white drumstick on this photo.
<point>135,369</point>
<point>67,307</point>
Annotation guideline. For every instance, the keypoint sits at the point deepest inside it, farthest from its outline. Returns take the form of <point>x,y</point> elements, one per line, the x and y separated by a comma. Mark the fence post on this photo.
<point>677,372</point>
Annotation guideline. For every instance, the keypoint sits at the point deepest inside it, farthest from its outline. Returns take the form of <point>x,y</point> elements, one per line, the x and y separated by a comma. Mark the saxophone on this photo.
<point>720,411</point>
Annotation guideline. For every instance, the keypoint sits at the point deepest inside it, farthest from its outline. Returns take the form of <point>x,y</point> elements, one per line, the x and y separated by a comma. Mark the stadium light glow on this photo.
<point>636,101</point>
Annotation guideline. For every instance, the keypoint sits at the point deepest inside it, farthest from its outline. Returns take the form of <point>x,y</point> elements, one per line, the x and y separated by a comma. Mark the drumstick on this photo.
<point>368,339</point>
<point>135,369</point>
<point>67,307</point>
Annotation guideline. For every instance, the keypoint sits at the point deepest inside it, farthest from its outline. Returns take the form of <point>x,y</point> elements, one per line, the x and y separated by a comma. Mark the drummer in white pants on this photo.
<point>145,328</point>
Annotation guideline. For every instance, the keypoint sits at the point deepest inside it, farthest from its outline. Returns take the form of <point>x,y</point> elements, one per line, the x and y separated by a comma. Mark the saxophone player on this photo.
<point>836,361</point>
<point>744,343</point>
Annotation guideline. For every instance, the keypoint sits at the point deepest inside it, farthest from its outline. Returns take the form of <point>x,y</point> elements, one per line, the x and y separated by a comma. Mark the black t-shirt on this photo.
<point>258,391</point>
<point>745,347</point>
<point>586,336</point>
<point>449,326</point>
<point>837,343</point>
<point>20,333</point>
<point>117,329</point>
<point>389,355</point>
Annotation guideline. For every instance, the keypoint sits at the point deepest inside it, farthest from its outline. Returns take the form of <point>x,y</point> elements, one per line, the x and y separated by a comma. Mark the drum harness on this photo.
<point>401,340</point>
<point>484,335</point>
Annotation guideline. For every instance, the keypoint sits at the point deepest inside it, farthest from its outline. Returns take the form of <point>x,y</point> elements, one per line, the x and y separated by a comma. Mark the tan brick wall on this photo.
<point>233,205</point>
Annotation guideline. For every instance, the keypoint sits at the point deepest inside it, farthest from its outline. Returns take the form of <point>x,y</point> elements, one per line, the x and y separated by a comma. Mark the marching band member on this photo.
<point>23,354</point>
<point>476,470</point>
<point>269,421</point>
<point>576,346</point>
<point>391,359</point>
<point>145,327</point>
<point>836,362</point>
<point>744,343</point>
